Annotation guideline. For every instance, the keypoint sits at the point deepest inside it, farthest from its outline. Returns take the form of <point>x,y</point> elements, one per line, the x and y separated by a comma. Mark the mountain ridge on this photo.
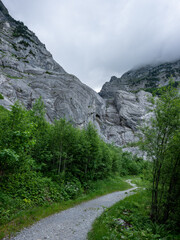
<point>148,78</point>
<point>28,71</point>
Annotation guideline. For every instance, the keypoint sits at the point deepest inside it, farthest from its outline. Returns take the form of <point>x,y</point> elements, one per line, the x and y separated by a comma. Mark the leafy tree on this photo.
<point>41,150</point>
<point>16,140</point>
<point>92,151</point>
<point>61,141</point>
<point>104,166</point>
<point>162,143</point>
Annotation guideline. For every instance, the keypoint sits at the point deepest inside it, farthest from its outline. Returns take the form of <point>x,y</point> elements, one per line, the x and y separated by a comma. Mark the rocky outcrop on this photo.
<point>145,78</point>
<point>28,71</point>
<point>124,114</point>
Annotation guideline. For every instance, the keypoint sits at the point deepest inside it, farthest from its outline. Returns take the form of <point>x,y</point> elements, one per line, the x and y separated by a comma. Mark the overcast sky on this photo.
<point>96,39</point>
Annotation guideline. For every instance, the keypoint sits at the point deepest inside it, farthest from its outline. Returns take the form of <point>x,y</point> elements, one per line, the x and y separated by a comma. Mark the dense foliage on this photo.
<point>162,143</point>
<point>43,163</point>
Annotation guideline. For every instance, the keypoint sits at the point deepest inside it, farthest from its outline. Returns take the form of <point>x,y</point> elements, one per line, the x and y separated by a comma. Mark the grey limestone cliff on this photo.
<point>144,78</point>
<point>28,71</point>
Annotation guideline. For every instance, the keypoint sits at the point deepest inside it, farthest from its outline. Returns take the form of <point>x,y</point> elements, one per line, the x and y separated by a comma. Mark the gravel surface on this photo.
<point>73,223</point>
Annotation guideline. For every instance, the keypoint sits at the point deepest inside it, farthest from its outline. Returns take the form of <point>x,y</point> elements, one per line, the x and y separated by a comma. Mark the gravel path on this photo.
<point>73,223</point>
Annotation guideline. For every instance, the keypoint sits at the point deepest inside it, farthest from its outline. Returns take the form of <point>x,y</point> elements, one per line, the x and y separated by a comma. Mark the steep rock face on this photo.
<point>124,114</point>
<point>145,78</point>
<point>132,108</point>
<point>28,71</point>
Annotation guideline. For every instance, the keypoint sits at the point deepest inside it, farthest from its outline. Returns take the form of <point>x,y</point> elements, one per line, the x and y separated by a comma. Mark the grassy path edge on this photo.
<point>29,217</point>
<point>129,219</point>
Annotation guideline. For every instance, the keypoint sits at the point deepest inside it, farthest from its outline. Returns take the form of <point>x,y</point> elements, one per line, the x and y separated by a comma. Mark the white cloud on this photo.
<point>97,39</point>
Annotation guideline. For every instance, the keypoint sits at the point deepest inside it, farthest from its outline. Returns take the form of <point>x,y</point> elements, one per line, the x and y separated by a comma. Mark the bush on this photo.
<point>131,165</point>
<point>21,31</point>
<point>71,190</point>
<point>31,187</point>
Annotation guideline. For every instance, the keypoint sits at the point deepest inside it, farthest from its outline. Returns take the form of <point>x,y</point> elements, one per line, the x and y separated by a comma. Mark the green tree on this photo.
<point>61,140</point>
<point>16,140</point>
<point>92,152</point>
<point>161,141</point>
<point>41,151</point>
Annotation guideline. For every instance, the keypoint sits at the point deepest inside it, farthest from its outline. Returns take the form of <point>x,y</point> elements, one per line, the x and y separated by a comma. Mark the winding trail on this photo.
<point>73,223</point>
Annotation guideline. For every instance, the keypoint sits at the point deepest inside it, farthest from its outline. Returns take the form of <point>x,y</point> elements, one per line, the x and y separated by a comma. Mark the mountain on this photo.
<point>146,78</point>
<point>28,71</point>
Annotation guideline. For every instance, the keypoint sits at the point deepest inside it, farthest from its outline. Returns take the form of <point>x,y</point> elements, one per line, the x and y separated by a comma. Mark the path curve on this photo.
<point>73,223</point>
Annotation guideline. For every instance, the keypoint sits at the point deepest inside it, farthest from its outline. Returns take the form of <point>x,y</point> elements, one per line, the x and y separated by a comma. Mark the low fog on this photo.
<point>97,39</point>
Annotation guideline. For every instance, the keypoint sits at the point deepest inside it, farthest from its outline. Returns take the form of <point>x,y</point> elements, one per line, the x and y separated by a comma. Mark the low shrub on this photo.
<point>71,190</point>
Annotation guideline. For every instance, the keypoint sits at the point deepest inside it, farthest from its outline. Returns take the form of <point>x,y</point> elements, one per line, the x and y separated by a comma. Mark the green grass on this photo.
<point>13,77</point>
<point>130,219</point>
<point>1,96</point>
<point>27,217</point>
